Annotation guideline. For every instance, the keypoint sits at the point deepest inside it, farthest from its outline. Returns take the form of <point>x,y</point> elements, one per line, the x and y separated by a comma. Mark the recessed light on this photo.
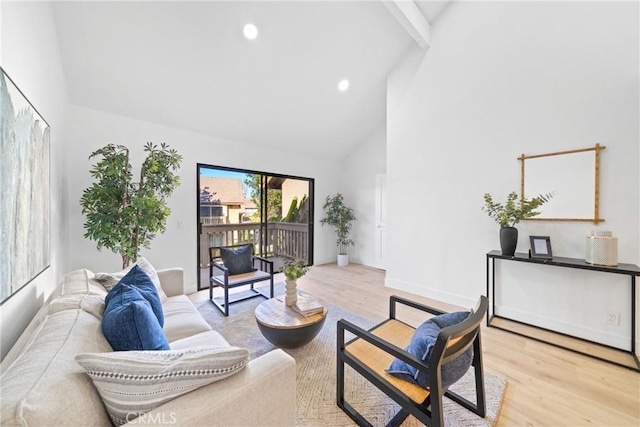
<point>343,85</point>
<point>250,31</point>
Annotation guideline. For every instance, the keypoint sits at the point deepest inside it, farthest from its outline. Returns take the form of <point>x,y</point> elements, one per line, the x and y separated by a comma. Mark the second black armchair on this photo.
<point>233,266</point>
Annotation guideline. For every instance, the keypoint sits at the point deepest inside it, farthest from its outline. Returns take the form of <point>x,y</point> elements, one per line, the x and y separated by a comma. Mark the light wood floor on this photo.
<point>547,386</point>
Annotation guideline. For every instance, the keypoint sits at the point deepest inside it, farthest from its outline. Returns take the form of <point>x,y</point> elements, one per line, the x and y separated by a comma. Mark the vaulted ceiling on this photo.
<point>188,65</point>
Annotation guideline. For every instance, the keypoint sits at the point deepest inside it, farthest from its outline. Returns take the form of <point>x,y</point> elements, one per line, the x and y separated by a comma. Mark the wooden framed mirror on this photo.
<point>574,178</point>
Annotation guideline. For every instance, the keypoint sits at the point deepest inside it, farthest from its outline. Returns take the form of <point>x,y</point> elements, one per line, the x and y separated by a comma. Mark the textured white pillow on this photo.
<point>109,280</point>
<point>132,383</point>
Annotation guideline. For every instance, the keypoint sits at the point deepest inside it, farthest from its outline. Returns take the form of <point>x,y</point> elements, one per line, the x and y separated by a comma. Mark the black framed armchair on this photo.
<point>372,353</point>
<point>237,265</point>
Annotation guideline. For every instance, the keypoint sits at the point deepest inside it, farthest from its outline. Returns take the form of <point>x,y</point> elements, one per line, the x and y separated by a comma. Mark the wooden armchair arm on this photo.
<point>395,351</point>
<point>394,299</point>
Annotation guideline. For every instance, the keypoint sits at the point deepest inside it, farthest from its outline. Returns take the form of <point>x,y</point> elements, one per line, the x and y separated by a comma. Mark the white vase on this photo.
<point>291,295</point>
<point>343,260</point>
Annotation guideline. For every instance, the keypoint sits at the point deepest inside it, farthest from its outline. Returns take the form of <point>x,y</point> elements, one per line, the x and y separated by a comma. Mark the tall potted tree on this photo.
<point>340,216</point>
<point>511,213</point>
<point>123,215</point>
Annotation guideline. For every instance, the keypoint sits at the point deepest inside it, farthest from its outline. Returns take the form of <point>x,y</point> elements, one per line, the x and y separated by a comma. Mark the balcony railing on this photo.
<point>286,240</point>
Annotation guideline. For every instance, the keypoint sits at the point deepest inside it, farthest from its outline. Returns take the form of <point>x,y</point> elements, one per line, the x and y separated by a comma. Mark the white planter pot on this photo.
<point>291,296</point>
<point>343,260</point>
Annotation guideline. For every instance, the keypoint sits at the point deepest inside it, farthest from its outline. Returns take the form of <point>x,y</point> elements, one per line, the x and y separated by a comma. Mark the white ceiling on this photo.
<point>187,65</point>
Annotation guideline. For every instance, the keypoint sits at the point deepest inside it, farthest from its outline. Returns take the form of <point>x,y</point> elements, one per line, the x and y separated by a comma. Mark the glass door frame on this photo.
<point>263,245</point>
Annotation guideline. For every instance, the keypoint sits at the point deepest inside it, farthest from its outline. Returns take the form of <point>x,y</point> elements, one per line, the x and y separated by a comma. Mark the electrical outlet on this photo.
<point>611,318</point>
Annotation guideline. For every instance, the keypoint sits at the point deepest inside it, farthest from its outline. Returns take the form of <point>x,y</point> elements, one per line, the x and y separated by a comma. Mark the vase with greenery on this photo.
<point>124,215</point>
<point>511,213</point>
<point>292,272</point>
<point>340,216</point>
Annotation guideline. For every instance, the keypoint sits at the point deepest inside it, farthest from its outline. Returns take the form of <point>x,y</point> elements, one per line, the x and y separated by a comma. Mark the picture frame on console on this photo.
<point>540,247</point>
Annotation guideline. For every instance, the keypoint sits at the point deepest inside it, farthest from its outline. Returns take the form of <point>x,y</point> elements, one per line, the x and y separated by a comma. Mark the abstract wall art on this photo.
<point>25,236</point>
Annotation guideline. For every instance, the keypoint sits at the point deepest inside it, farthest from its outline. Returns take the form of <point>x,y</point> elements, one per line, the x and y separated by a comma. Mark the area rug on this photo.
<point>316,372</point>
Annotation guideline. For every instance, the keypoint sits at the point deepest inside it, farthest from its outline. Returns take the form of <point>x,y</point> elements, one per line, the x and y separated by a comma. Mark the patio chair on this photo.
<point>237,265</point>
<point>372,352</point>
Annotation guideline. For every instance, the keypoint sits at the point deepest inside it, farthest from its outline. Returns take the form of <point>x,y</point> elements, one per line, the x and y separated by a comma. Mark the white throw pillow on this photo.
<point>132,383</point>
<point>109,280</point>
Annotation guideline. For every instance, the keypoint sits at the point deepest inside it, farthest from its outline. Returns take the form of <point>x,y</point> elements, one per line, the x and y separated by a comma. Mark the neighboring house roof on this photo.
<point>248,204</point>
<point>228,190</point>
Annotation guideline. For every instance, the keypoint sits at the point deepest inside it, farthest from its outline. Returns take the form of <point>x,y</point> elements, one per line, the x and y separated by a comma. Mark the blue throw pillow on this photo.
<point>137,278</point>
<point>129,323</point>
<point>421,345</point>
<point>237,261</point>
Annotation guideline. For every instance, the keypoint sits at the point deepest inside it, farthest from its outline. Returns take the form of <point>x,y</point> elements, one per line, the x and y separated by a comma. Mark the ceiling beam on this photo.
<point>412,20</point>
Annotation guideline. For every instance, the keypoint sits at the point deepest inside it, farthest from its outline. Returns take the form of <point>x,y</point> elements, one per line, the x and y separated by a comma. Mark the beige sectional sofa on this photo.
<point>42,385</point>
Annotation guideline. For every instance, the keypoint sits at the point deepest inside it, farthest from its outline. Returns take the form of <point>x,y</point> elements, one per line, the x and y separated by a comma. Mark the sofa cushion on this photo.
<point>421,345</point>
<point>133,383</point>
<point>129,322</point>
<point>45,369</point>
<point>237,261</point>
<point>81,282</point>
<point>181,318</point>
<point>143,284</point>
<point>203,339</point>
<point>92,304</point>
<point>109,280</point>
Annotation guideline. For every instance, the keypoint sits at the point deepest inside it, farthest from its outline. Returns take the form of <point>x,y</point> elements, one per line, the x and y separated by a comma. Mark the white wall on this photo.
<point>501,79</point>
<point>29,55</point>
<point>360,169</point>
<point>90,130</point>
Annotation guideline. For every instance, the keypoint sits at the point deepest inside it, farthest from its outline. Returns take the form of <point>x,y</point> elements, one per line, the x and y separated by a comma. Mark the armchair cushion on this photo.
<point>237,261</point>
<point>421,346</point>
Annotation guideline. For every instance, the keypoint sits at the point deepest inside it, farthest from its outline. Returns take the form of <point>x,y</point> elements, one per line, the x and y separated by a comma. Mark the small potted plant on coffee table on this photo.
<point>292,272</point>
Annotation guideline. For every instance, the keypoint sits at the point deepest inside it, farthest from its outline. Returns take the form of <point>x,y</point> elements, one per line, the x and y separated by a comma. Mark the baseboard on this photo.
<point>576,330</point>
<point>424,291</point>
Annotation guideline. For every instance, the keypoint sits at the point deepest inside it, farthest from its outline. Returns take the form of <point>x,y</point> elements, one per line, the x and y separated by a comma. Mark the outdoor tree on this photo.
<point>121,214</point>
<point>274,199</point>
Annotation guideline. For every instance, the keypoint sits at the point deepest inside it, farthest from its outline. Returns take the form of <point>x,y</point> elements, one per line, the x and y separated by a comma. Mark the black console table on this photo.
<point>630,270</point>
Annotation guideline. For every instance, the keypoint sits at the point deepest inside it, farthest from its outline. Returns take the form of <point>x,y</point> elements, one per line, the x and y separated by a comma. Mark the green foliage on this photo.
<point>292,215</point>
<point>274,199</point>
<point>340,216</point>
<point>294,270</point>
<point>123,215</point>
<point>303,210</point>
<point>510,213</point>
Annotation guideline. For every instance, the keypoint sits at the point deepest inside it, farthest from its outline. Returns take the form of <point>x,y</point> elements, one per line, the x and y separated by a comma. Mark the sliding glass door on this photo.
<point>271,211</point>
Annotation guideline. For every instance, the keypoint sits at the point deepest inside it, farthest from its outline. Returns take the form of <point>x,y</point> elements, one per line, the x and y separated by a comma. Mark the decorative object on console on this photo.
<point>340,216</point>
<point>509,214</point>
<point>123,215</point>
<point>292,272</point>
<point>602,248</point>
<point>541,247</point>
<point>25,234</point>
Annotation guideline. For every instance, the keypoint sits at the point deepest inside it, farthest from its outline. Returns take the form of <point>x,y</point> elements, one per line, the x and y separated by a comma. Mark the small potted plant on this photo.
<point>511,213</point>
<point>292,272</point>
<point>340,216</point>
